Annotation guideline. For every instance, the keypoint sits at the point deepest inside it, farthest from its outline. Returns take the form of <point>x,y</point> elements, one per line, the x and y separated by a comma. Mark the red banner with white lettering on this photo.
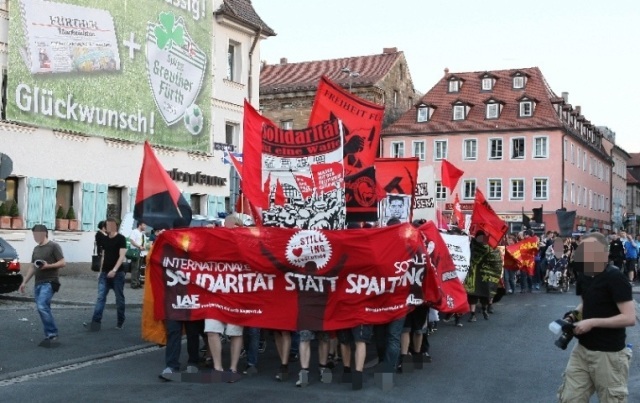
<point>288,279</point>
<point>327,177</point>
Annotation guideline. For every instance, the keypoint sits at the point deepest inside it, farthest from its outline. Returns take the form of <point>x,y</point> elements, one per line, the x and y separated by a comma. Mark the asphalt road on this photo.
<point>509,358</point>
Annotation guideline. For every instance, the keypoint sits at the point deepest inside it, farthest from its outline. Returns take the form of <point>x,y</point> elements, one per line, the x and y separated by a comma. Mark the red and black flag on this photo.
<point>159,201</point>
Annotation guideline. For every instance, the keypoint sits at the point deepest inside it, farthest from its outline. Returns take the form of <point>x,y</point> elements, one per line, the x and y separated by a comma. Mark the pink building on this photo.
<point>518,142</point>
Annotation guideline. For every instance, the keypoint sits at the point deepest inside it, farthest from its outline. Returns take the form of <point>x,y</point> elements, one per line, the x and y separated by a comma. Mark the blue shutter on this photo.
<point>212,206</point>
<point>132,198</point>
<point>102,192</point>
<point>34,201</point>
<point>220,201</point>
<point>187,197</point>
<point>49,203</point>
<point>88,206</point>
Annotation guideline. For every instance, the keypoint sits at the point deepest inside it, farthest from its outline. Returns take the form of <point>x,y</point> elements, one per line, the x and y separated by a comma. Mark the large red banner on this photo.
<point>522,255</point>
<point>289,279</point>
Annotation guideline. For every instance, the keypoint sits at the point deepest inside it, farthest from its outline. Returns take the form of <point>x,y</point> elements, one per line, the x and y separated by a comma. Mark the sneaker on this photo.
<point>485,315</point>
<point>426,357</point>
<point>326,376</point>
<point>472,318</point>
<point>303,378</point>
<point>120,326</point>
<point>192,369</point>
<point>330,361</point>
<point>262,346</point>
<point>250,370</point>
<point>233,376</point>
<point>283,373</point>
<point>490,309</point>
<point>166,374</point>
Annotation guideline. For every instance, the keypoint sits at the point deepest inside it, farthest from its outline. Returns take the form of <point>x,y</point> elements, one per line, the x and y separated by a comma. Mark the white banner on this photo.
<point>460,251</point>
<point>424,198</point>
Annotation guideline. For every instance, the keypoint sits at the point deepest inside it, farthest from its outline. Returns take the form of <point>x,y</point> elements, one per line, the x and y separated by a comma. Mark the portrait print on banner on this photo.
<point>303,177</point>
<point>395,206</point>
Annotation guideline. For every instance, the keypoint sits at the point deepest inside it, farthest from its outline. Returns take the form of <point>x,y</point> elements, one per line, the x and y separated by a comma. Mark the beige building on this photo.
<point>98,175</point>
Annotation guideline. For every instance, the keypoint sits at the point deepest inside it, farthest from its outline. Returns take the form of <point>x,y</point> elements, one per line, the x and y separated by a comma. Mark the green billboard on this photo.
<point>127,69</point>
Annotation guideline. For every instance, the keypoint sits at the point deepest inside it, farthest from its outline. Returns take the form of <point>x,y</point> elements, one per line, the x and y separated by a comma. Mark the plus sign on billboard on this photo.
<point>131,70</point>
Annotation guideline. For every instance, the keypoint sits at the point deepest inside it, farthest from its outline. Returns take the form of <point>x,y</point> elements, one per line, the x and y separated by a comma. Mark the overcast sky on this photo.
<point>588,48</point>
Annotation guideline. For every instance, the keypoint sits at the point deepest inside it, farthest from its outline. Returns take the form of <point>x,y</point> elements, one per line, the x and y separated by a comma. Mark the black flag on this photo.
<point>566,219</point>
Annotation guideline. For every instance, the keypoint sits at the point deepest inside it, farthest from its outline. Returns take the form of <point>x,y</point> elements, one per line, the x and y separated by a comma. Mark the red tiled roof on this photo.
<point>634,161</point>
<point>631,180</point>
<point>304,76</point>
<point>442,121</point>
<point>243,11</point>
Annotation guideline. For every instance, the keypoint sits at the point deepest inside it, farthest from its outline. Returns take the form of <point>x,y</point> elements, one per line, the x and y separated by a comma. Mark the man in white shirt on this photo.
<point>138,240</point>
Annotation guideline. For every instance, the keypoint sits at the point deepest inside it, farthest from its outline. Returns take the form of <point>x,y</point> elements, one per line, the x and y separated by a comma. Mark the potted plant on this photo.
<point>16,220</point>
<point>71,216</point>
<point>5,218</point>
<point>61,222</point>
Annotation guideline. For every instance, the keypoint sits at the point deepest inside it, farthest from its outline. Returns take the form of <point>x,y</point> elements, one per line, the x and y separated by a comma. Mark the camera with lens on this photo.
<point>565,329</point>
<point>39,263</point>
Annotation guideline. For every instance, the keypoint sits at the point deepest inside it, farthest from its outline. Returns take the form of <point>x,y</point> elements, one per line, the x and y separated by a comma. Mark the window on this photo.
<point>419,150</point>
<point>541,188</point>
<point>64,196</point>
<point>440,149</point>
<point>233,62</point>
<point>470,151</point>
<point>469,188</point>
<point>286,124</point>
<point>487,84</point>
<point>565,150</point>
<point>518,82</point>
<point>495,189</point>
<point>454,86</point>
<point>573,193</point>
<point>517,148</point>
<point>458,112</point>
<point>495,149</point>
<point>572,154</point>
<point>493,110</point>
<point>395,99</point>
<point>526,109</point>
<point>441,191</point>
<point>195,202</point>
<point>231,134</point>
<point>397,149</point>
<point>517,189</point>
<point>423,114</point>
<point>11,189</point>
<point>578,157</point>
<point>579,201</point>
<point>565,193</point>
<point>114,202</point>
<point>540,147</point>
<point>584,161</point>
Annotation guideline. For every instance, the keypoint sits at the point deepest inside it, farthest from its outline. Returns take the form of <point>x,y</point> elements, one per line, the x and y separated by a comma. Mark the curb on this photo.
<point>70,303</point>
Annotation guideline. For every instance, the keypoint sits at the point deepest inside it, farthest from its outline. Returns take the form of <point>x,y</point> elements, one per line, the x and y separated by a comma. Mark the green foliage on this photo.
<point>3,209</point>
<point>71,214</point>
<point>60,213</point>
<point>13,210</point>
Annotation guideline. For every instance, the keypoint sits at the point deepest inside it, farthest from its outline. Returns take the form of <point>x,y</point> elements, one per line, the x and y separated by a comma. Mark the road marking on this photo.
<point>75,366</point>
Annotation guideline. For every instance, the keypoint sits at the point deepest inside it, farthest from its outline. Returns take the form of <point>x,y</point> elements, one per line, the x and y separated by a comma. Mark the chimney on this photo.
<point>283,60</point>
<point>578,109</point>
<point>446,71</point>
<point>565,96</point>
<point>263,64</point>
<point>388,51</point>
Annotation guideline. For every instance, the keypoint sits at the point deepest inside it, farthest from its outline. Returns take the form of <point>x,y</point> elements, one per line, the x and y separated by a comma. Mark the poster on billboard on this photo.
<point>133,70</point>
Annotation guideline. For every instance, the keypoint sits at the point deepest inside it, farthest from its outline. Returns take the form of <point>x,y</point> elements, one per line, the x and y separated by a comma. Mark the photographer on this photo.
<point>600,361</point>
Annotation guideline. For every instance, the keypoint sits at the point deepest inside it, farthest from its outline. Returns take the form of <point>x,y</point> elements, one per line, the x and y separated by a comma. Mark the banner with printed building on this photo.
<point>288,279</point>
<point>291,158</point>
<point>136,70</point>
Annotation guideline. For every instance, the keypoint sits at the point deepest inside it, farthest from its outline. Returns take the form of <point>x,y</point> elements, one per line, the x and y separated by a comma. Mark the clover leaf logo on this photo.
<point>167,32</point>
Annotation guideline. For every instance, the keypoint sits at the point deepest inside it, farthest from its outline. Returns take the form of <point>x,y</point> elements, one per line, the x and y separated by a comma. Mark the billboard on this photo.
<point>132,70</point>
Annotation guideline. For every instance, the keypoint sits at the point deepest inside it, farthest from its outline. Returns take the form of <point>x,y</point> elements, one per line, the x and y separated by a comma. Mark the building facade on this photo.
<point>516,140</point>
<point>287,90</point>
<point>97,176</point>
<point>619,158</point>
<point>633,193</point>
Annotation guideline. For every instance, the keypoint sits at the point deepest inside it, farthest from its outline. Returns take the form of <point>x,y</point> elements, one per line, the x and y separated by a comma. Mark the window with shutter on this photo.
<point>50,187</point>
<point>102,192</point>
<point>212,206</point>
<point>34,201</point>
<point>88,206</point>
<point>221,208</point>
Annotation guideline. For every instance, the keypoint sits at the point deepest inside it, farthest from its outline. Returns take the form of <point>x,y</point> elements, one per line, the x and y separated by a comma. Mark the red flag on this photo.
<point>305,185</point>
<point>362,122</point>
<point>453,297</point>
<point>252,155</point>
<point>485,219</point>
<point>442,223</point>
<point>236,164</point>
<point>280,197</point>
<point>243,206</point>
<point>158,199</point>
<point>266,191</point>
<point>523,254</point>
<point>457,212</point>
<point>450,175</point>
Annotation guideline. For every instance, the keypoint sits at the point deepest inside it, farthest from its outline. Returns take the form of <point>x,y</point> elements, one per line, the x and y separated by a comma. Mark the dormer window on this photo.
<point>493,108</point>
<point>458,112</point>
<point>424,112</point>
<point>487,84</point>
<point>518,82</point>
<point>526,106</point>
<point>454,86</point>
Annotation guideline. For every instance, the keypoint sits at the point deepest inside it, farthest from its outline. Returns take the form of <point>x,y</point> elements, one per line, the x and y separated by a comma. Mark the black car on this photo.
<point>10,277</point>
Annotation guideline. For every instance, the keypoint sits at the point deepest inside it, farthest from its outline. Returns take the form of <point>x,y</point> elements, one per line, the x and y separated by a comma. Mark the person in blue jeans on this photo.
<point>111,276</point>
<point>46,260</point>
<point>252,345</point>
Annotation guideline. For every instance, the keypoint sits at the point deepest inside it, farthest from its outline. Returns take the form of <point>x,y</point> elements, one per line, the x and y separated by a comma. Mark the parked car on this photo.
<point>10,277</point>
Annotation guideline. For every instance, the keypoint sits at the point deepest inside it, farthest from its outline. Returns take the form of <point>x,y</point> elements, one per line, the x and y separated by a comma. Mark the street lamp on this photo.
<point>352,74</point>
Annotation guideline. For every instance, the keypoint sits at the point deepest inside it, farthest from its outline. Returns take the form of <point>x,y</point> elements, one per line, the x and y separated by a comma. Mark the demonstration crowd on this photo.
<point>397,344</point>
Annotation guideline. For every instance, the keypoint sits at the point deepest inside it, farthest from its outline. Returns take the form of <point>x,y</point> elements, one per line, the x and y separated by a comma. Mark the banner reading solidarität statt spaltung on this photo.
<point>132,70</point>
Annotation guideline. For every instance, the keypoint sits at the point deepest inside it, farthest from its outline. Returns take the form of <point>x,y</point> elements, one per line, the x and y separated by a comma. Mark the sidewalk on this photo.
<point>79,287</point>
